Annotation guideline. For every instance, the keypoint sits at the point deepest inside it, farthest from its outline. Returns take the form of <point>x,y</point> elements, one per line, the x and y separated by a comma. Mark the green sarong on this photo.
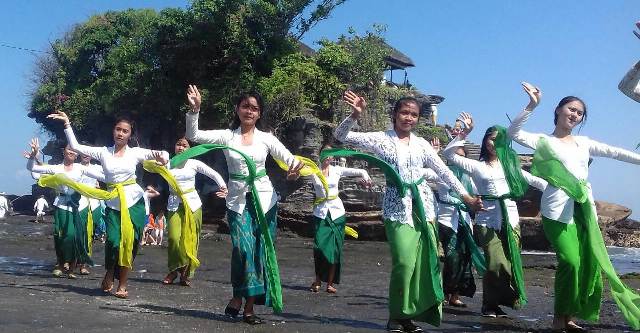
<point>593,256</point>
<point>112,244</point>
<point>457,274</point>
<point>249,276</point>
<point>177,258</point>
<point>415,288</point>
<point>411,292</point>
<point>64,236</point>
<point>498,285</point>
<point>327,246</point>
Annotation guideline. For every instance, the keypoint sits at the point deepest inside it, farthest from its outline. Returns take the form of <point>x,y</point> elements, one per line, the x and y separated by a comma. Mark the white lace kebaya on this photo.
<point>410,162</point>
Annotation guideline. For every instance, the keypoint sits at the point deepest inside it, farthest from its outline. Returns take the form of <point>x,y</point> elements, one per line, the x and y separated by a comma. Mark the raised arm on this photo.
<point>603,150</point>
<point>534,181</point>
<point>515,131</point>
<point>193,133</point>
<point>365,141</point>
<point>468,165</point>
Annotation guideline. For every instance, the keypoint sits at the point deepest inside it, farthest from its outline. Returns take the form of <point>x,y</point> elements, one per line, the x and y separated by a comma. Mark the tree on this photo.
<point>139,61</point>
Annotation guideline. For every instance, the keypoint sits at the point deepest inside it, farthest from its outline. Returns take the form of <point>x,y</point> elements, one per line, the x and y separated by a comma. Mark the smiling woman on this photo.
<point>569,216</point>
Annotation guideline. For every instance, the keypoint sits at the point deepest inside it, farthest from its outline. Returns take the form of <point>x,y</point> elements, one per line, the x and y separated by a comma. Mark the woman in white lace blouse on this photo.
<point>415,289</point>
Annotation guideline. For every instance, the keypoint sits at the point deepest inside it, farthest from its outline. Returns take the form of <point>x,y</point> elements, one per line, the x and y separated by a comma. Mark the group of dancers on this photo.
<point>415,218</point>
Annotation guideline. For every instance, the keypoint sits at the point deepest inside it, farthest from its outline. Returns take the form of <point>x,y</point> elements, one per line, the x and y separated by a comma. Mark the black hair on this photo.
<point>566,100</point>
<point>244,96</point>
<point>483,149</point>
<point>403,102</point>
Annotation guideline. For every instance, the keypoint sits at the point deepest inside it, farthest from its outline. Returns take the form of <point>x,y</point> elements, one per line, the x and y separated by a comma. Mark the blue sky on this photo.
<point>474,53</point>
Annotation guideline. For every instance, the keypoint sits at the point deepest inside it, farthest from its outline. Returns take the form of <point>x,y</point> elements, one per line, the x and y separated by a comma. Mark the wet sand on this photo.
<point>34,301</point>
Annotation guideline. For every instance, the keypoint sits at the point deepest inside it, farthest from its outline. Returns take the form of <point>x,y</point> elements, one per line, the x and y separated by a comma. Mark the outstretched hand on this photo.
<point>435,143</point>
<point>294,170</point>
<point>467,120</point>
<point>535,94</point>
<point>357,103</point>
<point>60,116</point>
<point>34,148</point>
<point>157,155</point>
<point>474,203</point>
<point>194,98</point>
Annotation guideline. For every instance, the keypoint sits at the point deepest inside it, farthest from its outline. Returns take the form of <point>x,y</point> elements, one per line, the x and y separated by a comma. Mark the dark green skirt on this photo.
<point>112,244</point>
<point>457,275</point>
<point>327,246</point>
<point>497,282</point>
<point>65,236</point>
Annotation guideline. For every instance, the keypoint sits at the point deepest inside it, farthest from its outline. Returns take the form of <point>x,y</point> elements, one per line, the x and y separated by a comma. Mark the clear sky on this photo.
<point>475,53</point>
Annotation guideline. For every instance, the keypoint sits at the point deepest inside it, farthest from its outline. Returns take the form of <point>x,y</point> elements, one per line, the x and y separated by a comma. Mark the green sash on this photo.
<point>547,166</point>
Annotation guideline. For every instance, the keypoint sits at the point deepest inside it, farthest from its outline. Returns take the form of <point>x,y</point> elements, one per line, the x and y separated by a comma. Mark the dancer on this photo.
<point>499,181</point>
<point>183,248</point>
<point>569,214</point>
<point>69,240</point>
<point>329,222</point>
<point>454,232</point>
<point>125,212</point>
<point>415,289</point>
<point>248,275</point>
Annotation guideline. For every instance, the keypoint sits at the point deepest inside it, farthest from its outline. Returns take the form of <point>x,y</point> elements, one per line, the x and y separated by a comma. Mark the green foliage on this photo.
<point>429,132</point>
<point>139,62</point>
<point>299,83</point>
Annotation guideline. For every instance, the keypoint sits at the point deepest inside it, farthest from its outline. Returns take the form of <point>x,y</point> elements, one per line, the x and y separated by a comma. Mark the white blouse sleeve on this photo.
<point>469,166</point>
<point>433,161</point>
<point>516,133</point>
<point>201,136</point>
<point>93,173</point>
<point>534,181</point>
<point>603,150</point>
<point>143,154</point>
<point>94,152</point>
<point>277,150</point>
<point>353,172</point>
<point>365,141</point>
<point>204,169</point>
<point>37,170</point>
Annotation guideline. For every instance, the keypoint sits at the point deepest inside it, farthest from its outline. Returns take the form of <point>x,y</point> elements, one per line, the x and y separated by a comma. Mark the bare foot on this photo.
<point>331,289</point>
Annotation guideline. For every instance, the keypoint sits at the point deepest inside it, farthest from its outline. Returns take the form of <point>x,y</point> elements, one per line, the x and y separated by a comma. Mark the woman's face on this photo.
<point>407,117</point>
<point>69,155</point>
<point>121,133</point>
<point>490,145</point>
<point>181,146</point>
<point>249,112</point>
<point>570,115</point>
